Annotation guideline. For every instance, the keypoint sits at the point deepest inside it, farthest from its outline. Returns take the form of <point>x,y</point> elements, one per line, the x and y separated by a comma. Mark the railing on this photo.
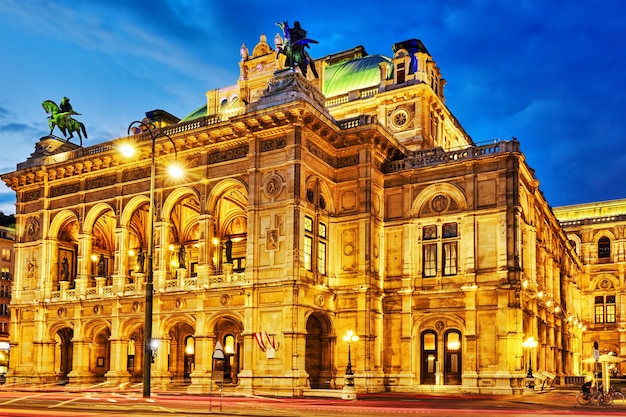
<point>132,289</point>
<point>356,95</point>
<point>170,130</point>
<point>356,121</point>
<point>227,278</point>
<point>594,220</point>
<point>438,156</point>
<point>128,289</point>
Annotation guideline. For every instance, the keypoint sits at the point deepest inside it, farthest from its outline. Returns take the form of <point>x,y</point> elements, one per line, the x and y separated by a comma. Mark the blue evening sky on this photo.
<point>551,73</point>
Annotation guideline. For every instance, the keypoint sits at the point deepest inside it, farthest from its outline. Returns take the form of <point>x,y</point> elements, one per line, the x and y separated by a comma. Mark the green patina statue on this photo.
<point>62,118</point>
<point>293,48</point>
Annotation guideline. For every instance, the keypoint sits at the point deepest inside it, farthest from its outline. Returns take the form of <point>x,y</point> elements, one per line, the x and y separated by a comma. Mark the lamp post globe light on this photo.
<point>348,392</point>
<point>150,346</point>
<point>350,338</point>
<point>529,344</point>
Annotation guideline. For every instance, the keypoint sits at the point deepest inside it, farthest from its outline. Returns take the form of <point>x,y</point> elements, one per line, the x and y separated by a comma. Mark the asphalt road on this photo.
<point>90,404</point>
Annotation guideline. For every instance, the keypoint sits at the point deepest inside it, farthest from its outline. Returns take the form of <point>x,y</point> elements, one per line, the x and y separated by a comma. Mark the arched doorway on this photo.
<point>452,360</point>
<point>318,362</point>
<point>101,349</point>
<point>63,354</point>
<point>181,352</point>
<point>190,358</point>
<point>428,357</point>
<point>228,333</point>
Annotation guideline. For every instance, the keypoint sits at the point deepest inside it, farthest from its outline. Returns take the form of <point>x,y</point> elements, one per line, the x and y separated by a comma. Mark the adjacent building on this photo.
<point>7,236</point>
<point>310,207</point>
<point>597,231</point>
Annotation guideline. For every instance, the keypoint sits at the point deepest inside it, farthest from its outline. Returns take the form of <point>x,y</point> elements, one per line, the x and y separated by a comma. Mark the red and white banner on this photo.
<point>265,340</point>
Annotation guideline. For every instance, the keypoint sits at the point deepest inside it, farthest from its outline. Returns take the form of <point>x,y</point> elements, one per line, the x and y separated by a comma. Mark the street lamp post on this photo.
<point>350,337</point>
<point>530,344</point>
<point>147,336</point>
<point>349,393</point>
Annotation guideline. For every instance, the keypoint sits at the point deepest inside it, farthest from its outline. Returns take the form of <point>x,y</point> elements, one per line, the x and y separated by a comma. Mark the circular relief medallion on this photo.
<point>319,300</point>
<point>136,306</point>
<point>348,249</point>
<point>33,227</point>
<point>225,300</point>
<point>440,325</point>
<point>440,203</point>
<point>61,312</point>
<point>273,185</point>
<point>97,309</point>
<point>179,304</point>
<point>399,118</point>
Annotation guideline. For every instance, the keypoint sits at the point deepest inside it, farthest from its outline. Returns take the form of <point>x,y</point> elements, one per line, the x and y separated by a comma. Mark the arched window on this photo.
<point>229,344</point>
<point>604,247</point>
<point>190,345</point>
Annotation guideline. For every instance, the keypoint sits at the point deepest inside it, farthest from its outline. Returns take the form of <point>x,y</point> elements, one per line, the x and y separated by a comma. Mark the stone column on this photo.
<point>122,260</point>
<point>406,375</point>
<point>201,375</point>
<point>161,262</point>
<point>80,374</point>
<point>161,376</point>
<point>470,353</point>
<point>44,362</point>
<point>118,373</point>
<point>83,265</point>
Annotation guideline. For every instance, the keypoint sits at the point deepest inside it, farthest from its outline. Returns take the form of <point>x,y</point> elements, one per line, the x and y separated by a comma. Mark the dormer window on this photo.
<point>400,73</point>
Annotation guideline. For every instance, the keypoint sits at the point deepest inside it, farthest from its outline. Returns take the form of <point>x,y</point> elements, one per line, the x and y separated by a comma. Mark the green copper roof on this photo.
<point>198,113</point>
<point>339,79</point>
<point>353,75</point>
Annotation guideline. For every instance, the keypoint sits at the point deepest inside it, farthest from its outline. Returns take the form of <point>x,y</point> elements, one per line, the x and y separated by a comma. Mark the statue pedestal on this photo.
<point>63,287</point>
<point>47,145</point>
<point>228,271</point>
<point>181,275</point>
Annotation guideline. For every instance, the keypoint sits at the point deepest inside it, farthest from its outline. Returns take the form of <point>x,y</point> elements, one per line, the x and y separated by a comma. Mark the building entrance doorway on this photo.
<point>63,354</point>
<point>429,358</point>
<point>318,347</point>
<point>452,368</point>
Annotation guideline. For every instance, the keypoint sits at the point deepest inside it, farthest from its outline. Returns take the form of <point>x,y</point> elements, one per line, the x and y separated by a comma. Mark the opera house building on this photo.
<point>309,209</point>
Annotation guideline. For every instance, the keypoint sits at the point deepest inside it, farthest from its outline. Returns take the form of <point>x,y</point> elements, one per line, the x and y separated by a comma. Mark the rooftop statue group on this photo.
<point>293,48</point>
<point>61,117</point>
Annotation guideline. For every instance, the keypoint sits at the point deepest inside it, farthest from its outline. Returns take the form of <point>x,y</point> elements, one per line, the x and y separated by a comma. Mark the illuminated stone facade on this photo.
<point>310,207</point>
<point>597,231</point>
